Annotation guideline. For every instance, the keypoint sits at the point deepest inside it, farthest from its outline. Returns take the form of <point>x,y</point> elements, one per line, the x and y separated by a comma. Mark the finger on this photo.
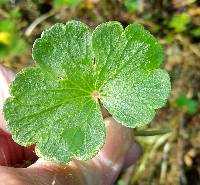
<point>133,154</point>
<point>37,176</point>
<point>112,157</point>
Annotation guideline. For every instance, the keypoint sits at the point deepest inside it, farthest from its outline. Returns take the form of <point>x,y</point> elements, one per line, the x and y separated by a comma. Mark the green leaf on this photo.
<point>62,3</point>
<point>7,25</point>
<point>15,13</point>
<point>2,2</point>
<point>179,22</point>
<point>125,70</point>
<point>10,43</point>
<point>137,96</point>
<point>132,5</point>
<point>58,116</point>
<point>15,46</point>
<point>195,32</point>
<point>56,104</point>
<point>189,104</point>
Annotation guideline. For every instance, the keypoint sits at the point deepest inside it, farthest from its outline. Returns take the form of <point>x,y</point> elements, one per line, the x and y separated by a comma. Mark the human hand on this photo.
<point>120,151</point>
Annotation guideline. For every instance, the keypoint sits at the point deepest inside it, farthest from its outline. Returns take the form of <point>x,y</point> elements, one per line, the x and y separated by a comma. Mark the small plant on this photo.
<point>11,43</point>
<point>132,5</point>
<point>62,3</point>
<point>189,104</point>
<point>55,105</point>
<point>179,22</point>
<point>2,2</point>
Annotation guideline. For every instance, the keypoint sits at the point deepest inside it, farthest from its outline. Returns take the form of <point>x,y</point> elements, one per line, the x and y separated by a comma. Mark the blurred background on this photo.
<point>169,159</point>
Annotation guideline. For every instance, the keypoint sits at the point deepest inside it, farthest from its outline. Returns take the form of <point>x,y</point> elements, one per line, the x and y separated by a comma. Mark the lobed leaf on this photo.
<point>55,104</point>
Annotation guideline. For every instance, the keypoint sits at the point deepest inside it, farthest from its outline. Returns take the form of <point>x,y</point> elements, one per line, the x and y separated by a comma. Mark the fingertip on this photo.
<point>133,155</point>
<point>118,140</point>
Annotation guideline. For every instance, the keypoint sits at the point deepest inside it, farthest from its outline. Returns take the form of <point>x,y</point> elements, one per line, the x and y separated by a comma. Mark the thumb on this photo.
<point>113,156</point>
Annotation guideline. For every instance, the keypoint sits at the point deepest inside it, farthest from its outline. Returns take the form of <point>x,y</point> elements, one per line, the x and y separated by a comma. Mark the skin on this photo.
<point>119,152</point>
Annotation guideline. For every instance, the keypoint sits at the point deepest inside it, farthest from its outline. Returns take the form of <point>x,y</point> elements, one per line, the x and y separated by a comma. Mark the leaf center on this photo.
<point>96,95</point>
